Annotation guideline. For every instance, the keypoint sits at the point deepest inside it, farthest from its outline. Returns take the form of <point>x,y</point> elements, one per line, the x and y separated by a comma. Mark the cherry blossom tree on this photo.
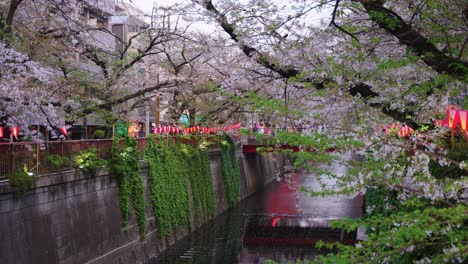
<point>379,62</point>
<point>41,41</point>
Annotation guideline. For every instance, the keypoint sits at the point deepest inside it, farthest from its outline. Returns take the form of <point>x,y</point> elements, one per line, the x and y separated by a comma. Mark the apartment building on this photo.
<point>124,21</point>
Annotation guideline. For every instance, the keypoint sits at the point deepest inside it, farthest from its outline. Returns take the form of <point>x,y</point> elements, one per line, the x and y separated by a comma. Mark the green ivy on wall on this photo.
<point>170,170</point>
<point>199,173</point>
<point>124,164</point>
<point>230,170</point>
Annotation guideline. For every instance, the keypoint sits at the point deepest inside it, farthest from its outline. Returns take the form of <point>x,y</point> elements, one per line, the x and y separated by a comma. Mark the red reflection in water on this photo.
<point>275,220</point>
<point>282,198</point>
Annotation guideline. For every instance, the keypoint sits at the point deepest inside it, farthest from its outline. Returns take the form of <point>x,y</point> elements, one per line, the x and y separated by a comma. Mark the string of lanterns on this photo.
<point>14,131</point>
<point>195,129</point>
<point>403,131</point>
<point>454,117</point>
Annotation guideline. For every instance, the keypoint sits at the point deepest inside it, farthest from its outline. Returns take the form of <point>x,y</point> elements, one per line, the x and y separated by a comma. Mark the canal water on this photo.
<point>280,223</point>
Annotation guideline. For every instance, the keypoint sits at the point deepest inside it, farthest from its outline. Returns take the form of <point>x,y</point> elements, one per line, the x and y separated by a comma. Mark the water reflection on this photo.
<point>280,223</point>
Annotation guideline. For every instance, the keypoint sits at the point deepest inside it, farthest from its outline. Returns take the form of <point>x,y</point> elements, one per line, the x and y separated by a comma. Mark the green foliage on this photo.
<point>388,64</point>
<point>230,170</point>
<point>88,160</point>
<point>56,161</point>
<point>170,170</point>
<point>419,230</point>
<point>21,181</point>
<point>315,145</point>
<point>379,201</point>
<point>99,134</point>
<point>404,232</point>
<point>124,164</point>
<point>458,151</point>
<point>198,169</point>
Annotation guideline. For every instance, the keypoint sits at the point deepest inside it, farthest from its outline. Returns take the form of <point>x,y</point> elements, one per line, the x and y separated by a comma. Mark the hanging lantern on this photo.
<point>1,132</point>
<point>463,114</point>
<point>64,131</point>
<point>453,117</point>
<point>405,131</point>
<point>388,129</point>
<point>464,122</point>
<point>15,131</point>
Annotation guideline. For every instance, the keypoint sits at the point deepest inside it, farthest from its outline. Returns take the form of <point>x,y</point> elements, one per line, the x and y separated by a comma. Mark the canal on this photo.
<point>280,223</point>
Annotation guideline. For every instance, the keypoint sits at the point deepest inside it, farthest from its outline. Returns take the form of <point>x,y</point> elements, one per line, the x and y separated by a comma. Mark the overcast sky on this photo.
<point>147,5</point>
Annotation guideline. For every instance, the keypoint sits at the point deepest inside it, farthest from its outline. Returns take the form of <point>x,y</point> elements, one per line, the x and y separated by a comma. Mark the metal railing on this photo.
<point>37,156</point>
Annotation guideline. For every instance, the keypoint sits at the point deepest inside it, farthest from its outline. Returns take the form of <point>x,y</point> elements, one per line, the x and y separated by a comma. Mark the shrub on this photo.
<point>56,161</point>
<point>88,160</point>
<point>99,134</point>
<point>21,181</point>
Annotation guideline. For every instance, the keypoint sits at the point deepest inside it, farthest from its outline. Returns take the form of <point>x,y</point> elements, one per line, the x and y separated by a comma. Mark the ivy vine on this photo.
<point>198,166</point>
<point>230,170</point>
<point>170,170</point>
<point>124,164</point>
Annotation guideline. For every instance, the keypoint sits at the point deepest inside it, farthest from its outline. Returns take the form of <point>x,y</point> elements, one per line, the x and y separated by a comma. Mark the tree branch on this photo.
<point>123,99</point>
<point>289,71</point>
<point>5,27</point>
<point>337,3</point>
<point>407,35</point>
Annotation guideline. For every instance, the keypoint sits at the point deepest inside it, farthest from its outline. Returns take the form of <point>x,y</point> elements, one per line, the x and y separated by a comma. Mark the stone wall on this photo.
<point>75,218</point>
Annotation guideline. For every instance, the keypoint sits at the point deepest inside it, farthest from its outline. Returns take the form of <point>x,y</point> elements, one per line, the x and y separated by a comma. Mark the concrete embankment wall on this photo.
<point>71,217</point>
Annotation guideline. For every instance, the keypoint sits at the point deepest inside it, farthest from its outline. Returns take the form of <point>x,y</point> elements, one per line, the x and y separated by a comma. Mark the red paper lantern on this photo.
<point>1,132</point>
<point>64,131</point>
<point>390,128</point>
<point>453,117</point>
<point>463,114</point>
<point>15,131</point>
<point>405,131</point>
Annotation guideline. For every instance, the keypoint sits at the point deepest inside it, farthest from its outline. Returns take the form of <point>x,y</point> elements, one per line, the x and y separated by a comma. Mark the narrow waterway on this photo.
<point>280,223</point>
